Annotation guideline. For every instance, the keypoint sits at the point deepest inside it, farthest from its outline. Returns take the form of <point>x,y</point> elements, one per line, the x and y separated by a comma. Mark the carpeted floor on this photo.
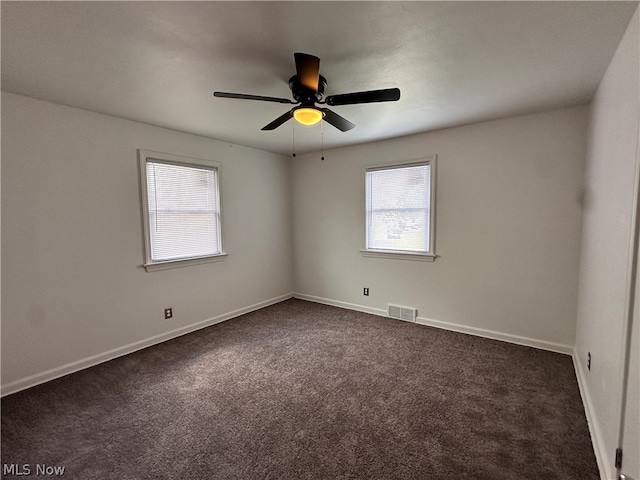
<point>300,390</point>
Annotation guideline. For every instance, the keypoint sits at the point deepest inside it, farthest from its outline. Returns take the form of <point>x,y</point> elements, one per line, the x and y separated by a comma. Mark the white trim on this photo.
<point>145,156</point>
<point>630,302</point>
<point>602,459</point>
<point>428,256</point>
<point>504,337</point>
<point>454,327</point>
<point>166,264</point>
<point>397,255</point>
<point>337,303</point>
<point>33,380</point>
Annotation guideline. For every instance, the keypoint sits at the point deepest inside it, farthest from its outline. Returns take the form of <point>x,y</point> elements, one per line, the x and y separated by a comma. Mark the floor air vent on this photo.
<point>402,313</point>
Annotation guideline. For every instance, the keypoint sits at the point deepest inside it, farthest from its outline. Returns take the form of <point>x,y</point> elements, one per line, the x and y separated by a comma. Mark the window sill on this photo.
<point>399,255</point>
<point>167,264</point>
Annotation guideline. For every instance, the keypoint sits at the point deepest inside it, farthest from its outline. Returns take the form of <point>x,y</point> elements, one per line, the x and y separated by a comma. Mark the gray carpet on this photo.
<point>300,390</point>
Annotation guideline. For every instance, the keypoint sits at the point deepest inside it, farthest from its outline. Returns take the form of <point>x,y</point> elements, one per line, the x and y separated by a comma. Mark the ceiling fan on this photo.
<point>307,87</point>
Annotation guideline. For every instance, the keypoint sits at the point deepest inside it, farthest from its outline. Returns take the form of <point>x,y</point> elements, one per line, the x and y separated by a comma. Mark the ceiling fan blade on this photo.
<point>336,120</point>
<point>308,70</point>
<point>278,121</point>
<point>242,96</point>
<point>386,95</point>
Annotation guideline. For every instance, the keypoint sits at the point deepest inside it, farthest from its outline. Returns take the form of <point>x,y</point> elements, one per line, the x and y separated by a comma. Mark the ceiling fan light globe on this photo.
<point>307,116</point>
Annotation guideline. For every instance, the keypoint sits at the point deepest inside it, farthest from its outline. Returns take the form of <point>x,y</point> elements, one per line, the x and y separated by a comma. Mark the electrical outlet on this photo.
<point>366,291</point>
<point>589,361</point>
<point>168,313</point>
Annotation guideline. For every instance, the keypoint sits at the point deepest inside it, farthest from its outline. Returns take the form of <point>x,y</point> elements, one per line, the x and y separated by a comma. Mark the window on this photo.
<point>181,210</point>
<point>400,201</point>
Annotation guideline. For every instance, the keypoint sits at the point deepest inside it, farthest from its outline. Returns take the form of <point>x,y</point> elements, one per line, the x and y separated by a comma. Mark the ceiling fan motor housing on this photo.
<point>304,95</point>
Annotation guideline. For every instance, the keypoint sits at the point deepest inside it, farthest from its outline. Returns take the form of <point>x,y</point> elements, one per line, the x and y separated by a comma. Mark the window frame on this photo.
<point>428,256</point>
<point>146,156</point>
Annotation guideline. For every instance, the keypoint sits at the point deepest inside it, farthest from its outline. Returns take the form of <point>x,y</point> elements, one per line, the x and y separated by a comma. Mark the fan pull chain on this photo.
<point>322,141</point>
<point>293,137</point>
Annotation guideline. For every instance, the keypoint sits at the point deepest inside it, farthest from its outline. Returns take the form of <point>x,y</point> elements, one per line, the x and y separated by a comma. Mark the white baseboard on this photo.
<point>455,327</point>
<point>72,367</point>
<point>505,337</point>
<point>338,303</point>
<point>596,435</point>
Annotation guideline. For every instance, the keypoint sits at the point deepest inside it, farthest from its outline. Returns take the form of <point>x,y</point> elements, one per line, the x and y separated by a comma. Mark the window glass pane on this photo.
<point>183,211</point>
<point>398,208</point>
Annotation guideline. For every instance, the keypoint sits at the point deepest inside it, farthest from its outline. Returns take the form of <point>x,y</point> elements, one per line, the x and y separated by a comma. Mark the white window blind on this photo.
<point>399,208</point>
<point>183,211</point>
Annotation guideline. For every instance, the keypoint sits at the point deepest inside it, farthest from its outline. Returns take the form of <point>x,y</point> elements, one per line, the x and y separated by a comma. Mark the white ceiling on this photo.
<point>455,62</point>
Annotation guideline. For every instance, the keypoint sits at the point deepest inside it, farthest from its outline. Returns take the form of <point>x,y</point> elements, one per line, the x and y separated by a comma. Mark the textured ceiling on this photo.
<point>455,62</point>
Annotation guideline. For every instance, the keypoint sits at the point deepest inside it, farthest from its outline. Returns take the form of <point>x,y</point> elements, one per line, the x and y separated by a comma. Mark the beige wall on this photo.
<point>73,290</point>
<point>611,164</point>
<point>508,228</point>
